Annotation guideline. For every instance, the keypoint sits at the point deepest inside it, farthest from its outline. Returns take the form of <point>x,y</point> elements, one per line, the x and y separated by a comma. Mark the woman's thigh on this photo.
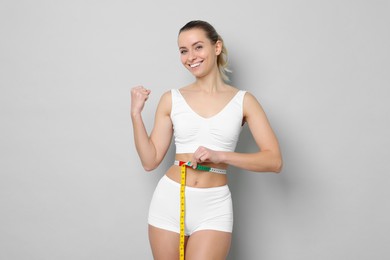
<point>208,244</point>
<point>164,243</point>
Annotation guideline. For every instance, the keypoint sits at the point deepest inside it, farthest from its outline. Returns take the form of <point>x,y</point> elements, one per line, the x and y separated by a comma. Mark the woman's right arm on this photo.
<point>151,149</point>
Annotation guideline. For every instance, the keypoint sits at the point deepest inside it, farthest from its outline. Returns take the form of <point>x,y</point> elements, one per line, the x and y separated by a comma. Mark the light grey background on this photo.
<point>71,184</point>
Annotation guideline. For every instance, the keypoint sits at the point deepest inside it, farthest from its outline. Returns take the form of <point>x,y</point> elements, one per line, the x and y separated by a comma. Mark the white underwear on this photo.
<point>206,208</point>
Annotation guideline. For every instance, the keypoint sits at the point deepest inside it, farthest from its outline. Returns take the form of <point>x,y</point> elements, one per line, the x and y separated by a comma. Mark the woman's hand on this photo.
<point>139,95</point>
<point>203,154</point>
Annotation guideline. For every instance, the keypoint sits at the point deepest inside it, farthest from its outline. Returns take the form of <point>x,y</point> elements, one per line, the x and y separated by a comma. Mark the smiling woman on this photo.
<point>202,30</point>
<point>191,210</point>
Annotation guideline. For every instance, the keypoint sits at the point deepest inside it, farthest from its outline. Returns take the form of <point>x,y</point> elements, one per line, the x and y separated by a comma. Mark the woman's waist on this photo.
<point>197,178</point>
<point>188,157</point>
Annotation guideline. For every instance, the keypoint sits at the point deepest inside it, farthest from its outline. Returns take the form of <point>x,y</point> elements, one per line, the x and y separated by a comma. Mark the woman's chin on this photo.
<point>197,74</point>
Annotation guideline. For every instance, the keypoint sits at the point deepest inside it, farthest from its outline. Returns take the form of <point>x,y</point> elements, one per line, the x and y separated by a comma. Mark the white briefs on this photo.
<point>206,208</point>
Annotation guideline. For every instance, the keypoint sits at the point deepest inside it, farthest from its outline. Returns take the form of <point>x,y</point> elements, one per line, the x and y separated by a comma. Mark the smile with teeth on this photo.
<point>195,64</point>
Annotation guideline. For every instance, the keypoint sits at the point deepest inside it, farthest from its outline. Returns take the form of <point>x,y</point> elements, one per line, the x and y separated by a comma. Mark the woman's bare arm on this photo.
<point>268,158</point>
<point>151,149</point>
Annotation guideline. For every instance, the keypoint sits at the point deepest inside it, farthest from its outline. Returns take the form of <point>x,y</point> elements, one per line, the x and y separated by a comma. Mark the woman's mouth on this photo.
<point>194,65</point>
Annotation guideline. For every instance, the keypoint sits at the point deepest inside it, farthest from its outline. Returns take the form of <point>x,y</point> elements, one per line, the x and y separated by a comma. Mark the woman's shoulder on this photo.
<point>249,99</point>
<point>251,104</point>
<point>166,97</point>
<point>246,92</point>
<point>166,94</point>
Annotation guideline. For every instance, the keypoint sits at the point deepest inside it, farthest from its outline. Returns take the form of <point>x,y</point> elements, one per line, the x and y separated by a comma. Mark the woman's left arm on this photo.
<point>268,158</point>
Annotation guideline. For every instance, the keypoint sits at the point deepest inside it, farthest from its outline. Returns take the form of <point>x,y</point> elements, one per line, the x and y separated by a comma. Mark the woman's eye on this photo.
<point>183,51</point>
<point>199,47</point>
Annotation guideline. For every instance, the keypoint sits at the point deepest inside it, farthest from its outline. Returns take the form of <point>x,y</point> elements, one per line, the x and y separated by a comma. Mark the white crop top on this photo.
<point>219,132</point>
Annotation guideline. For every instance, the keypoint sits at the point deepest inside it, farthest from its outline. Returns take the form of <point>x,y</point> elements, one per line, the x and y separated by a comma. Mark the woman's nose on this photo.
<point>191,55</point>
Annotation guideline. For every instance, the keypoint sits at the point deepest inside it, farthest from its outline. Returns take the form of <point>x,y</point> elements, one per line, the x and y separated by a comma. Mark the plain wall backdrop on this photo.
<point>72,186</point>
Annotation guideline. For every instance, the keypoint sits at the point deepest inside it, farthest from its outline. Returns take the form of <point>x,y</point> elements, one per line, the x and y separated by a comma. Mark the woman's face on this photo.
<point>197,53</point>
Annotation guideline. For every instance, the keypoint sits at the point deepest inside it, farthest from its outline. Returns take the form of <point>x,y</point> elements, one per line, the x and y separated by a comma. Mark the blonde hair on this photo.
<point>213,36</point>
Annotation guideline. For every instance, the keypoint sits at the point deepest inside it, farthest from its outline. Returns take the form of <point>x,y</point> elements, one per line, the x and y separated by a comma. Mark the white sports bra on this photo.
<point>219,132</point>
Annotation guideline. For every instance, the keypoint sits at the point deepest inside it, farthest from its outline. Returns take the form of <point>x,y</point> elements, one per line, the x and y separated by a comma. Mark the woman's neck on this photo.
<point>210,83</point>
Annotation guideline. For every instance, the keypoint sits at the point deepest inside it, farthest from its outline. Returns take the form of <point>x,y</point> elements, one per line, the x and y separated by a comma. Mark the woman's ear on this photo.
<point>218,47</point>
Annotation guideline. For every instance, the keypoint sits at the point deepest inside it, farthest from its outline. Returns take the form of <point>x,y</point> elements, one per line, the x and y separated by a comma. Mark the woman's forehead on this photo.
<point>191,36</point>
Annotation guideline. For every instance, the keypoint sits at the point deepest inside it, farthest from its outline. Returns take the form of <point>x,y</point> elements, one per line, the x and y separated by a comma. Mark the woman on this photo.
<point>205,119</point>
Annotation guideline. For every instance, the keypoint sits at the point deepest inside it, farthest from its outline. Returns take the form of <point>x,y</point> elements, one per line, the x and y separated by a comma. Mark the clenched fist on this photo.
<point>139,95</point>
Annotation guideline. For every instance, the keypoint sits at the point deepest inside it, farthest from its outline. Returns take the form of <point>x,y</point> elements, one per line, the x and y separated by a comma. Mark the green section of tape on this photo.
<point>203,168</point>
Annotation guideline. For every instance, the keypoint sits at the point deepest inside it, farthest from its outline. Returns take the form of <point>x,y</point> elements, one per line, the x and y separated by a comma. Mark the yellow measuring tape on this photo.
<point>182,209</point>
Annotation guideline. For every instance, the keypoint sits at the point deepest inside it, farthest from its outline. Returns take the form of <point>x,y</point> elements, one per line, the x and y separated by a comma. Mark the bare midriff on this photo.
<point>196,178</point>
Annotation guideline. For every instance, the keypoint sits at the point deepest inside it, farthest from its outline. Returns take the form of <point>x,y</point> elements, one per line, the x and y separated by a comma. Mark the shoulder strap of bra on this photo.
<point>175,92</point>
<point>175,96</point>
<point>240,95</point>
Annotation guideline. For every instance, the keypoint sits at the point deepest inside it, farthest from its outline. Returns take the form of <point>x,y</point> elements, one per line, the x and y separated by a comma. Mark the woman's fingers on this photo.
<point>139,95</point>
<point>202,154</point>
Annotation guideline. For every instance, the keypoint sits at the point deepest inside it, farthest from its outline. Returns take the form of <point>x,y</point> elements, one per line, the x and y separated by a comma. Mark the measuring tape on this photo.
<point>183,168</point>
<point>182,208</point>
<point>201,167</point>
